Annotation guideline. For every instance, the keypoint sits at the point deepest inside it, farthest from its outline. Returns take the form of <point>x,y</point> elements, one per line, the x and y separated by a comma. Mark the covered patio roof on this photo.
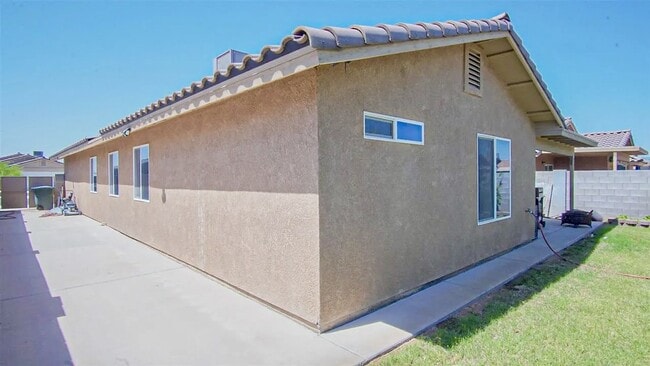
<point>630,150</point>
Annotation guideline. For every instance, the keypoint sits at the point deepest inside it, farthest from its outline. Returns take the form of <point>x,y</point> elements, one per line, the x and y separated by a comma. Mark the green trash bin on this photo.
<point>43,197</point>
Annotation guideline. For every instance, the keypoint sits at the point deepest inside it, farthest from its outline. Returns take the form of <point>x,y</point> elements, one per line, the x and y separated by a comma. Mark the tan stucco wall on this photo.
<point>233,192</point>
<point>395,216</point>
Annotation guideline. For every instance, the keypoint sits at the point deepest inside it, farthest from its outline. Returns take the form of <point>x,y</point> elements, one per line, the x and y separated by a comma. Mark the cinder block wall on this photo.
<point>613,193</point>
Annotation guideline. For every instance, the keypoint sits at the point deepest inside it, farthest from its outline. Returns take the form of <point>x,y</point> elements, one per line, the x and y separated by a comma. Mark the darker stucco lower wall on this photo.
<point>234,192</point>
<point>395,216</point>
<point>592,163</point>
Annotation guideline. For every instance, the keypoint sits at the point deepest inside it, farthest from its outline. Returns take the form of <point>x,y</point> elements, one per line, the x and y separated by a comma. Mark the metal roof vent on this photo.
<point>473,74</point>
<point>221,62</point>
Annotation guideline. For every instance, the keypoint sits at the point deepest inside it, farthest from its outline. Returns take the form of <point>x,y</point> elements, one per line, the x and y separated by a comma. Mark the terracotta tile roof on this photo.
<point>332,38</point>
<point>612,138</point>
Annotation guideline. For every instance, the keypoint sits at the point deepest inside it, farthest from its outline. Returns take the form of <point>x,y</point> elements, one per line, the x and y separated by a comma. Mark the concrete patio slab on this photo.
<point>81,293</point>
<point>73,291</point>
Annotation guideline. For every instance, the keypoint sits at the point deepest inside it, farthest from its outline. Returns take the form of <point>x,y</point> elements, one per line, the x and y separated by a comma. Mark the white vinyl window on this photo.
<point>494,167</point>
<point>141,173</point>
<point>114,174</point>
<point>93,174</point>
<point>387,128</point>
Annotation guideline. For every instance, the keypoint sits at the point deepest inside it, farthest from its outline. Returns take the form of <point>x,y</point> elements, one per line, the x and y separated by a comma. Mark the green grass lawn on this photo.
<point>555,313</point>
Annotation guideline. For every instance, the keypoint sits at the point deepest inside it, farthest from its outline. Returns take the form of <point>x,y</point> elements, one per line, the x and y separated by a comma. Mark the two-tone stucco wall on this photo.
<point>582,162</point>
<point>395,216</point>
<point>234,192</point>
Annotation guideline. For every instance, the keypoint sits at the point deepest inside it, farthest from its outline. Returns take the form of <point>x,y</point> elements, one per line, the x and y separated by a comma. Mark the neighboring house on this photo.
<point>613,146</point>
<point>637,163</point>
<point>37,170</point>
<point>339,171</point>
<point>35,165</point>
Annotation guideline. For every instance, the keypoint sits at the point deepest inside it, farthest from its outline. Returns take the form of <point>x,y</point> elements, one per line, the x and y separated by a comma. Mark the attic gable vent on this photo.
<point>473,74</point>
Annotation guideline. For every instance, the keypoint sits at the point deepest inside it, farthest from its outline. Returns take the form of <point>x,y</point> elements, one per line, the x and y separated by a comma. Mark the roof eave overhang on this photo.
<point>563,136</point>
<point>631,150</point>
<point>525,60</point>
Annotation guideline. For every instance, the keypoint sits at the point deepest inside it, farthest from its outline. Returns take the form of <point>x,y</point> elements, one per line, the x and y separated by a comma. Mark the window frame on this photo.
<point>111,183</point>
<point>139,188</point>
<point>494,206</point>
<point>93,183</point>
<point>393,120</point>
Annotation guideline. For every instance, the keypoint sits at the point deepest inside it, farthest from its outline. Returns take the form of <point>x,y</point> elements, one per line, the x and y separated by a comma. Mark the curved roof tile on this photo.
<point>461,27</point>
<point>346,37</point>
<point>472,26</point>
<point>448,29</point>
<point>415,31</point>
<point>433,30</point>
<point>395,32</point>
<point>318,38</point>
<point>372,35</point>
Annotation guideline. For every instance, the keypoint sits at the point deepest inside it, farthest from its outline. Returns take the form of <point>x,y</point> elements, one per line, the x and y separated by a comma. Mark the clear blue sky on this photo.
<point>71,68</point>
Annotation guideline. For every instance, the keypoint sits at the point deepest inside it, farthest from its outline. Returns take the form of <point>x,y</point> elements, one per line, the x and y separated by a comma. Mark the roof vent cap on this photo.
<point>221,62</point>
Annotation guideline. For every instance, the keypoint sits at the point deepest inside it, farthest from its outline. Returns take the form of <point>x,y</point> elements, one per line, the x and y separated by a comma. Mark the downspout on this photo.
<point>572,164</point>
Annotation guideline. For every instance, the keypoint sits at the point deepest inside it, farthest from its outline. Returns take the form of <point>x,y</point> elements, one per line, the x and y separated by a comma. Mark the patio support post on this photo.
<point>572,162</point>
<point>614,160</point>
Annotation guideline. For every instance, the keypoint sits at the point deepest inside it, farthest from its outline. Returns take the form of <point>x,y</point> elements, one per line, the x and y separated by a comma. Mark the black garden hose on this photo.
<point>638,277</point>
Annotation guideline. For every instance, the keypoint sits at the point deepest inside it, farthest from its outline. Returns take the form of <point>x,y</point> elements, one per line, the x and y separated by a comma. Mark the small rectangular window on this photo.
<point>141,173</point>
<point>378,127</point>
<point>494,166</point>
<point>113,174</point>
<point>387,128</point>
<point>409,131</point>
<point>93,174</point>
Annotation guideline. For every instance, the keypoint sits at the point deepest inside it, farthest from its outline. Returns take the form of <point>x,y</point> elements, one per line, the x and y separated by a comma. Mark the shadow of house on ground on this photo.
<point>476,317</point>
<point>29,330</point>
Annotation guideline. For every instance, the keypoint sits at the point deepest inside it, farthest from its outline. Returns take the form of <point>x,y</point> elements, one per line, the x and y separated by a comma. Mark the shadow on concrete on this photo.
<point>29,330</point>
<point>478,316</point>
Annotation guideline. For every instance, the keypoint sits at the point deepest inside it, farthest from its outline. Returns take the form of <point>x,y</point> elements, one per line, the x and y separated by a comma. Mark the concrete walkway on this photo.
<point>75,292</point>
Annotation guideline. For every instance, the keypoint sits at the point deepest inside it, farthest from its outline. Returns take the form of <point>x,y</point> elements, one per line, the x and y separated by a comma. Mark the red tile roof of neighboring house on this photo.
<point>612,138</point>
<point>333,38</point>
